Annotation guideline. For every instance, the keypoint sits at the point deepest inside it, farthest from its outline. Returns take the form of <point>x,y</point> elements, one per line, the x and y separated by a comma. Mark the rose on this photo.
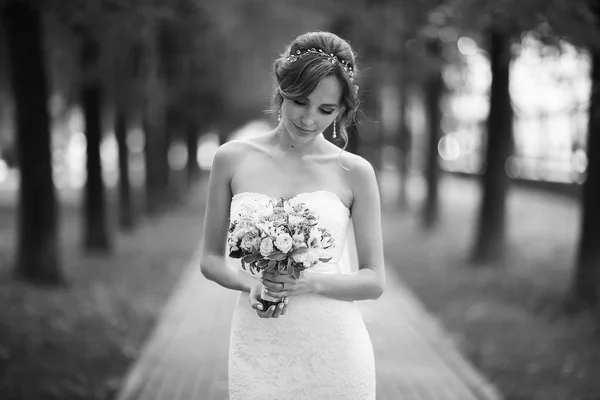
<point>300,257</point>
<point>298,239</point>
<point>248,242</point>
<point>266,246</point>
<point>312,256</point>
<point>314,239</point>
<point>284,242</point>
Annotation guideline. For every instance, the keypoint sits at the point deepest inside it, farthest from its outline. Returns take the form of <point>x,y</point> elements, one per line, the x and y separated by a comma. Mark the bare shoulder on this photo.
<point>232,149</point>
<point>231,153</point>
<point>359,171</point>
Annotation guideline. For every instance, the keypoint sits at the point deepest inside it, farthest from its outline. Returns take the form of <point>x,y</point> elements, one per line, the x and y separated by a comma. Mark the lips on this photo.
<point>304,131</point>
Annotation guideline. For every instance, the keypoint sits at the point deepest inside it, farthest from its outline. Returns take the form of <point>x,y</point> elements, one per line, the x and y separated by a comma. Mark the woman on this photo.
<point>314,345</point>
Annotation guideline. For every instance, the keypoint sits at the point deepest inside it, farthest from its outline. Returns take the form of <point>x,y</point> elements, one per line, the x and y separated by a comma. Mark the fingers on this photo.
<point>278,294</point>
<point>285,305</point>
<point>271,312</point>
<point>278,286</point>
<point>278,310</point>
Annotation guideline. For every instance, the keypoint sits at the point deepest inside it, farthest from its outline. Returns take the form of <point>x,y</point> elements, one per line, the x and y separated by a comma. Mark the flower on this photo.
<point>300,257</point>
<point>266,246</point>
<point>298,239</point>
<point>284,242</point>
<point>295,220</point>
<point>248,241</point>
<point>278,234</point>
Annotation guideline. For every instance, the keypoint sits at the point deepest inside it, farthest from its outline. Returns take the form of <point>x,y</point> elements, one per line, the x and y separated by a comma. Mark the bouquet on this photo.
<point>282,237</point>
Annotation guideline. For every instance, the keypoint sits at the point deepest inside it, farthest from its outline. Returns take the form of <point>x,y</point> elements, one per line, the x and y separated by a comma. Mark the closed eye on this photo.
<point>302,104</point>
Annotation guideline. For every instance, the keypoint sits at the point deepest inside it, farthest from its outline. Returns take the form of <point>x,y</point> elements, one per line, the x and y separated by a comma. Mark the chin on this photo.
<point>300,137</point>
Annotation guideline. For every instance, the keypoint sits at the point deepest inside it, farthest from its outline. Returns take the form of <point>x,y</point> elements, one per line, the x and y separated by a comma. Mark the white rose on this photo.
<point>300,258</point>
<point>239,233</point>
<point>298,239</point>
<point>284,242</point>
<point>266,246</point>
<point>247,242</point>
<point>314,239</point>
<point>312,256</point>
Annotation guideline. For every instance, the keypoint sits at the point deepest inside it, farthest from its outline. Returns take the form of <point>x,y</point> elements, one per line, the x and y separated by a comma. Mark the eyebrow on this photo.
<point>322,105</point>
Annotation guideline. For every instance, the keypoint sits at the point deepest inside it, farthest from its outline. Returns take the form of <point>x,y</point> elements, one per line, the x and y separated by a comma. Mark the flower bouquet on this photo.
<point>282,237</point>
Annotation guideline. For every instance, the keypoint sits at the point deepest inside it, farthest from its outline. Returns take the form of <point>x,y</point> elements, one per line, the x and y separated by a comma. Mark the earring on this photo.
<point>334,134</point>
<point>279,116</point>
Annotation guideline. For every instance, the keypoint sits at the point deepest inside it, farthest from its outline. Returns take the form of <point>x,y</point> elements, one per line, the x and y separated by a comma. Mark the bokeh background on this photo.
<point>481,118</point>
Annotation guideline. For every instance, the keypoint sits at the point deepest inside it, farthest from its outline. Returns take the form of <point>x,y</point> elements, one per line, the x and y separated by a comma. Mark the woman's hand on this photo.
<point>285,285</point>
<point>271,312</point>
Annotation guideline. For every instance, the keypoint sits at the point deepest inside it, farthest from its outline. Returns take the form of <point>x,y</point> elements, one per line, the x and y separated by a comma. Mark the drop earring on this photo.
<point>279,116</point>
<point>334,134</point>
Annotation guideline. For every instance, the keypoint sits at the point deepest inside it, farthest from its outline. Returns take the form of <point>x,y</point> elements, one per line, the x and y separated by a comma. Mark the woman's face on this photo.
<point>307,117</point>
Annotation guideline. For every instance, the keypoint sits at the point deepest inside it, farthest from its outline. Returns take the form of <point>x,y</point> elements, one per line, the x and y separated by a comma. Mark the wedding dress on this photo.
<point>320,348</point>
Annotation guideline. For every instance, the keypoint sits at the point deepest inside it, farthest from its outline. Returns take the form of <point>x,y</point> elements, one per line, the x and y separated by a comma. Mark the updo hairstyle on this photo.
<point>300,78</point>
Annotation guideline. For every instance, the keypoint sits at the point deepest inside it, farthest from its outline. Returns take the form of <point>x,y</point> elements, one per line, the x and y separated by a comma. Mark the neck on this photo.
<point>283,141</point>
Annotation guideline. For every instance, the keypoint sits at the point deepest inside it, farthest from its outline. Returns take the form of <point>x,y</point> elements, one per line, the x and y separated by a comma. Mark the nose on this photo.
<point>308,119</point>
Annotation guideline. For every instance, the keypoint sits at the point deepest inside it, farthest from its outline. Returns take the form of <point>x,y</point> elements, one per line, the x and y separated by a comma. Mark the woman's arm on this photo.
<point>216,223</point>
<point>369,281</point>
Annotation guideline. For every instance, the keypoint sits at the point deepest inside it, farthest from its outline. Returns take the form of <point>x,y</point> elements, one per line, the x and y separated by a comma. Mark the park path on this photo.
<point>185,357</point>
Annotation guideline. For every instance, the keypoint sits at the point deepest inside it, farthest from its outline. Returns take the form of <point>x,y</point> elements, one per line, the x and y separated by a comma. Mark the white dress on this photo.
<point>320,349</point>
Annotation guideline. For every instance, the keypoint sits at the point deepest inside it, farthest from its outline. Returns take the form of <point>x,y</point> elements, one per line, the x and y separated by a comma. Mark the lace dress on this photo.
<point>320,349</point>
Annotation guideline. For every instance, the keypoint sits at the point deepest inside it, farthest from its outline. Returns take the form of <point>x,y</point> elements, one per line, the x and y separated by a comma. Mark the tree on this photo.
<point>433,91</point>
<point>585,286</point>
<point>37,251</point>
<point>491,237</point>
<point>95,218</point>
<point>497,23</point>
<point>155,128</point>
<point>586,282</point>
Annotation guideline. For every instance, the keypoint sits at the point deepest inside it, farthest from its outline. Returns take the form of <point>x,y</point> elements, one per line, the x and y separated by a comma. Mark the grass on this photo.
<point>508,321</point>
<point>76,342</point>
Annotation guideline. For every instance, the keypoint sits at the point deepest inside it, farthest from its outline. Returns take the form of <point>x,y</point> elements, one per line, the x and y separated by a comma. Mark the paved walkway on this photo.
<point>186,356</point>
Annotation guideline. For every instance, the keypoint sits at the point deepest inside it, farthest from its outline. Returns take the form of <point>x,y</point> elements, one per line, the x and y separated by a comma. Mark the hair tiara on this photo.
<point>329,56</point>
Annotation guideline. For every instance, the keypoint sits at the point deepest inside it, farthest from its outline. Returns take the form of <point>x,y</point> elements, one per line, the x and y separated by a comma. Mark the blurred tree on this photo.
<point>37,252</point>
<point>502,22</point>
<point>498,24</point>
<point>587,273</point>
<point>490,240</point>
<point>95,218</point>
<point>392,38</point>
<point>584,30</point>
<point>125,90</point>
<point>155,124</point>
<point>433,89</point>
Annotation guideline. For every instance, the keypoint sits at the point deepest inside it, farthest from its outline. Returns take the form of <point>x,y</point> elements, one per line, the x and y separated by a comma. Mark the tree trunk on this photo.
<point>96,231</point>
<point>586,284</point>
<point>192,168</point>
<point>126,221</point>
<point>37,252</point>
<point>490,234</point>
<point>157,165</point>
<point>434,87</point>
<point>404,137</point>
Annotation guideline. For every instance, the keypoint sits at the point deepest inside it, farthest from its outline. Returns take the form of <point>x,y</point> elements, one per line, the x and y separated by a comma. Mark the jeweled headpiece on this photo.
<point>332,58</point>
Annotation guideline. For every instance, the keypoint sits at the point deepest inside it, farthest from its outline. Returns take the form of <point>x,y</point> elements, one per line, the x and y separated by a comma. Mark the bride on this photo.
<point>314,344</point>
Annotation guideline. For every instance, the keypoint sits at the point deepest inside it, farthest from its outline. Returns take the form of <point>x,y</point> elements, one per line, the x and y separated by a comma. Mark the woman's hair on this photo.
<point>310,58</point>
